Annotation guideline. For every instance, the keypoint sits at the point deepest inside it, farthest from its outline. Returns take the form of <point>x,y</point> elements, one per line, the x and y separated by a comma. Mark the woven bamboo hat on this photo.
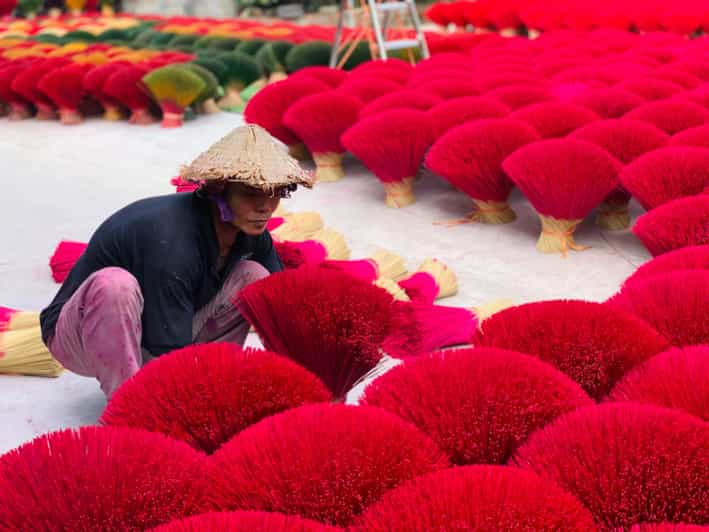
<point>248,155</point>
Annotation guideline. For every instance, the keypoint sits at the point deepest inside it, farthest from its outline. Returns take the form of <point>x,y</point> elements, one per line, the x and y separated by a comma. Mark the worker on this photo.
<point>163,272</point>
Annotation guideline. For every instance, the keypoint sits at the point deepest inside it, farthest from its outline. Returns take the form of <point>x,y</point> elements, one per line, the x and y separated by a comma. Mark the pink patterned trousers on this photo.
<point>99,330</point>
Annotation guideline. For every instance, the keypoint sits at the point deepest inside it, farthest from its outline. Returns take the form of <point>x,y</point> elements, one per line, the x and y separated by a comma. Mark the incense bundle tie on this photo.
<point>399,194</point>
<point>491,212</point>
<point>328,167</point>
<point>558,236</point>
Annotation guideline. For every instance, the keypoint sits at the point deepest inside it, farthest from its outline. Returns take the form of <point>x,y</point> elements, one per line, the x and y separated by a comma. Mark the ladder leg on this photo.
<point>419,31</point>
<point>374,14</point>
<point>338,35</point>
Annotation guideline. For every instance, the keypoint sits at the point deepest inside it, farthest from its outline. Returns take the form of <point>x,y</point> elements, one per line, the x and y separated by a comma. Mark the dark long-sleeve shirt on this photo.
<point>170,246</point>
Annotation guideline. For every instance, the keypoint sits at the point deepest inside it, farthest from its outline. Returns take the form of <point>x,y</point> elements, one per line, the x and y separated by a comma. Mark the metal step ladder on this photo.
<point>378,14</point>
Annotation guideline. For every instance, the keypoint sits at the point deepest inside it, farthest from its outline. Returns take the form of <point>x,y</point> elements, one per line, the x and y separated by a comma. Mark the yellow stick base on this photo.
<point>493,212</point>
<point>232,98</point>
<point>112,113</point>
<point>277,76</point>
<point>613,216</point>
<point>557,236</point>
<point>400,194</point>
<point>328,167</point>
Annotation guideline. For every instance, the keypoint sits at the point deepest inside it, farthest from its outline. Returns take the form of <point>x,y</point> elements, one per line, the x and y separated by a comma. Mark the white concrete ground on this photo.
<point>59,182</point>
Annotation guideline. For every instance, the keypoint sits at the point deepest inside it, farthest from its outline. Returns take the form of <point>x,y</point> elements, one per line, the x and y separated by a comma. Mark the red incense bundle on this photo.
<point>64,257</point>
<point>382,264</point>
<point>65,87</point>
<point>319,120</point>
<point>332,77</point>
<point>267,107</point>
<point>244,521</point>
<point>649,88</point>
<point>447,115</point>
<point>663,175</point>
<point>627,463</point>
<point>206,394</point>
<point>323,244</point>
<point>478,497</point>
<point>402,99</point>
<point>674,379</point>
<point>326,462</point>
<point>555,119</point>
<point>94,82</point>
<point>674,303</point>
<point>694,136</point>
<point>478,404</point>
<point>20,108</point>
<point>431,281</point>
<point>183,186</point>
<point>22,350</point>
<point>26,83</point>
<point>124,87</point>
<point>609,103</point>
<point>329,322</point>
<point>449,89</point>
<point>595,344</point>
<point>687,258</point>
<point>367,89</point>
<point>392,146</point>
<point>470,158</point>
<point>676,224</point>
<point>626,140</point>
<point>671,116</point>
<point>519,96</point>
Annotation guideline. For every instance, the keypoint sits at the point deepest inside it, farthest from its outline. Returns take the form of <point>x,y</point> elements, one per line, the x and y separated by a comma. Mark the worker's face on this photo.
<point>252,208</point>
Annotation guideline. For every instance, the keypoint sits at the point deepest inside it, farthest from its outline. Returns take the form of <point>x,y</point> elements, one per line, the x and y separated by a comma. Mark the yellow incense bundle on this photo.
<point>389,265</point>
<point>393,288</point>
<point>486,310</point>
<point>334,243</point>
<point>22,351</point>
<point>433,280</point>
<point>298,227</point>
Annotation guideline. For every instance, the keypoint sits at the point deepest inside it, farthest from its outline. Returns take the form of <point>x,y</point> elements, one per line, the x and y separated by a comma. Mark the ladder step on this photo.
<point>392,6</point>
<point>401,44</point>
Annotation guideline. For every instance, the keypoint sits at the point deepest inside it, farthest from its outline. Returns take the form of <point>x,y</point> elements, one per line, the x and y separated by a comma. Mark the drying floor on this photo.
<point>60,182</point>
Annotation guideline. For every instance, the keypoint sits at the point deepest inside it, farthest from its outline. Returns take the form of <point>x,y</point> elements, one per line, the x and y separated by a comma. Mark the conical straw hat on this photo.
<point>248,155</point>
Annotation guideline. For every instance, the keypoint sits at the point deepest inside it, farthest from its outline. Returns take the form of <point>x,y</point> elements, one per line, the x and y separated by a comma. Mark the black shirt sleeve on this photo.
<point>266,254</point>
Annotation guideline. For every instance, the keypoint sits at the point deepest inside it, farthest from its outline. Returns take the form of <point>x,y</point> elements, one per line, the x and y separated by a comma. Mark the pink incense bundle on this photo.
<point>94,82</point>
<point>694,136</point>
<point>678,378</point>
<point>183,186</point>
<point>328,321</point>
<point>323,244</point>
<point>555,119</point>
<point>626,140</point>
<point>367,89</point>
<point>65,87</point>
<point>609,103</point>
<point>663,175</point>
<point>627,463</point>
<point>431,281</point>
<point>650,89</point>
<point>319,120</point>
<point>680,77</point>
<point>322,462</point>
<point>392,146</point>
<point>64,257</point>
<point>447,115</point>
<point>470,158</point>
<point>519,96</point>
<point>564,179</point>
<point>671,116</point>
<point>674,303</point>
<point>676,224</point>
<point>669,527</point>
<point>481,497</point>
<point>382,264</point>
<point>478,404</point>
<point>99,478</point>
<point>124,87</point>
<point>244,521</point>
<point>205,394</point>
<point>401,99</point>
<point>26,83</point>
<point>267,107</point>
<point>20,108</point>
<point>593,343</point>
<point>332,77</point>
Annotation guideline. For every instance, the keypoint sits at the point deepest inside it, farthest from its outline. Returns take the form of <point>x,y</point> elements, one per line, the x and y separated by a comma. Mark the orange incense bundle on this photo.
<point>94,82</point>
<point>65,87</point>
<point>431,281</point>
<point>22,350</point>
<point>392,145</point>
<point>25,83</point>
<point>319,120</point>
<point>564,179</point>
<point>124,87</point>
<point>470,158</point>
<point>267,107</point>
